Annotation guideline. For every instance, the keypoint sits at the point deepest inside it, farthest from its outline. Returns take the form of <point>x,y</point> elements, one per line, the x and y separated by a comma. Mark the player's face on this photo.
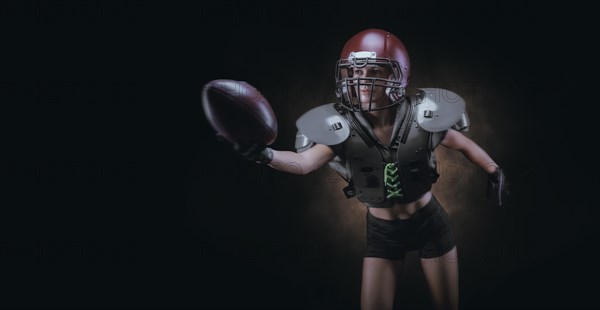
<point>367,94</point>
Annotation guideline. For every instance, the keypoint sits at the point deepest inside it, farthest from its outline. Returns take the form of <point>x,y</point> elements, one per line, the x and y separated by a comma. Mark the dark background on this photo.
<point>116,193</point>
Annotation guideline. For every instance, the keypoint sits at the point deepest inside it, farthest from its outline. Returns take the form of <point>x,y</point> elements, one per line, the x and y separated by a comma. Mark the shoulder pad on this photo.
<point>324,125</point>
<point>439,109</point>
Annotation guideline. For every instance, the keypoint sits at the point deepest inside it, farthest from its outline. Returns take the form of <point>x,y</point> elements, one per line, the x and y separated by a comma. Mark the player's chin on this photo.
<point>366,106</point>
<point>367,101</point>
<point>365,98</point>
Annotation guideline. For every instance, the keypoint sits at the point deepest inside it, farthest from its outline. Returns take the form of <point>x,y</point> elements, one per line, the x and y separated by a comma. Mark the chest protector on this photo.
<point>401,172</point>
<point>381,175</point>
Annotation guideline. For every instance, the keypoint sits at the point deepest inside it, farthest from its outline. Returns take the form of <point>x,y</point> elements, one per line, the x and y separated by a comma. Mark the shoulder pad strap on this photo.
<point>439,109</point>
<point>324,125</point>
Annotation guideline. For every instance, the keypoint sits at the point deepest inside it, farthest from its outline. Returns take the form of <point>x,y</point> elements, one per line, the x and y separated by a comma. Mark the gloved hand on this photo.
<point>252,152</point>
<point>255,152</point>
<point>497,187</point>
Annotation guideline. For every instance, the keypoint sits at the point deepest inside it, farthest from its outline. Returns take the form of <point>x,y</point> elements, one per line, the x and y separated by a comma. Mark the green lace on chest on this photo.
<point>392,181</point>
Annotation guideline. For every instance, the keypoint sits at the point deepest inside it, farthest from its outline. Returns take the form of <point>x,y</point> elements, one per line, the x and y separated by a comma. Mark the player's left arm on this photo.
<point>457,141</point>
<point>497,187</point>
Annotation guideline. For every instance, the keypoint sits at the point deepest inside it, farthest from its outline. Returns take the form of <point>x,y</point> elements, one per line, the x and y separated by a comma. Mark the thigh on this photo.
<point>389,239</point>
<point>442,277</point>
<point>435,233</point>
<point>379,278</point>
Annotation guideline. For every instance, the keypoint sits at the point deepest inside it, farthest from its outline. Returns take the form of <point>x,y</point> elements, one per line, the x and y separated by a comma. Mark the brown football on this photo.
<point>239,112</point>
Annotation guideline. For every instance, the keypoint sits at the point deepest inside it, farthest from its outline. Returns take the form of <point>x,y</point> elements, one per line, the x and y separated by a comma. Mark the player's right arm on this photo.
<point>302,163</point>
<point>318,128</point>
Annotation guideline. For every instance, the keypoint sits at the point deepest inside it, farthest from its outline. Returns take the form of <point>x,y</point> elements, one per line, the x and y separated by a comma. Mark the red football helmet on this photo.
<point>372,47</point>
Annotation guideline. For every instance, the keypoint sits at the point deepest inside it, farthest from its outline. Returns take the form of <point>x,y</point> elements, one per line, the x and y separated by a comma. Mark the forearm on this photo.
<point>478,156</point>
<point>302,163</point>
<point>497,185</point>
<point>473,152</point>
<point>290,162</point>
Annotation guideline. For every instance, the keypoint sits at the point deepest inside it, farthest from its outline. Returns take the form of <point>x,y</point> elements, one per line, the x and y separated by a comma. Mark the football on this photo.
<point>239,112</point>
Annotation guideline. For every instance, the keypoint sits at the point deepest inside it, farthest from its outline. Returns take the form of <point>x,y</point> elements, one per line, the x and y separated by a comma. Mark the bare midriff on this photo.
<point>401,210</point>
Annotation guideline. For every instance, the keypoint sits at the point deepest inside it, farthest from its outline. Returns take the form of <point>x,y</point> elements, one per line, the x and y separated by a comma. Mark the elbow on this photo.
<point>306,169</point>
<point>306,165</point>
<point>304,172</point>
<point>298,168</point>
<point>469,154</point>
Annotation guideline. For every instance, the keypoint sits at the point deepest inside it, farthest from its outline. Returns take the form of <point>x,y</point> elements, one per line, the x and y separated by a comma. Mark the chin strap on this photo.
<point>396,95</point>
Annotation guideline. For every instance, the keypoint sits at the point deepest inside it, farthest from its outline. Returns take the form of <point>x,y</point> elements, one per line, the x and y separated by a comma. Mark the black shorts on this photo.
<point>428,231</point>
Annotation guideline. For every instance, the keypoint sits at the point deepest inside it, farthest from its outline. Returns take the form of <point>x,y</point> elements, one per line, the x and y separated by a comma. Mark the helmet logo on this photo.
<point>354,55</point>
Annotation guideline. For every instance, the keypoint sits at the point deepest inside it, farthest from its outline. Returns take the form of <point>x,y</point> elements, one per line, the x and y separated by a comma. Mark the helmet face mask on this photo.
<point>349,84</point>
<point>360,91</point>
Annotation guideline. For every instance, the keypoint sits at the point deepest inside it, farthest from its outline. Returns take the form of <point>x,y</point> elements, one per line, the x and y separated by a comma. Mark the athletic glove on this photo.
<point>252,152</point>
<point>255,152</point>
<point>497,187</point>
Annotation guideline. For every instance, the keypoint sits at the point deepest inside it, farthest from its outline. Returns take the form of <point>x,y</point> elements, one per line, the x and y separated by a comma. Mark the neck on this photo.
<point>382,118</point>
